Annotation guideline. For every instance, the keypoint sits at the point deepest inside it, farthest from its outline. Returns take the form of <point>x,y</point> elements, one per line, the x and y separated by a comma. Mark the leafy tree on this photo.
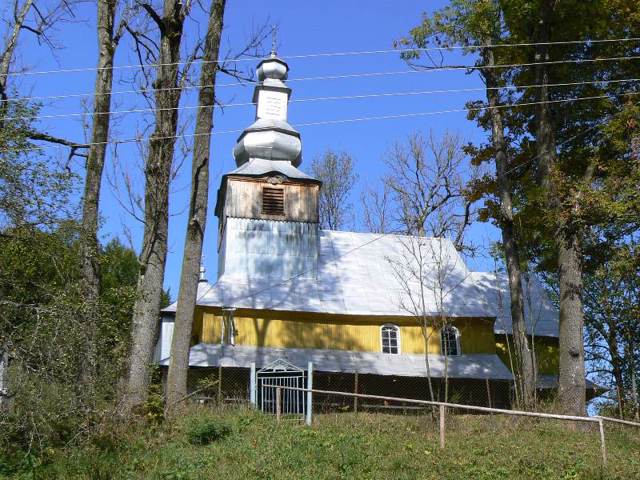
<point>41,327</point>
<point>192,255</point>
<point>478,25</point>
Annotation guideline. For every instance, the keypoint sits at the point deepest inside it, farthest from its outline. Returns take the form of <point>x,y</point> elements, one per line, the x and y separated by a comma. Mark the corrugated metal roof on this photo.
<point>472,366</point>
<point>358,274</point>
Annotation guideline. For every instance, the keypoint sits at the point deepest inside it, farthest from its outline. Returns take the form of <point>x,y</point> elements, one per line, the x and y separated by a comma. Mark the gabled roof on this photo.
<point>358,274</point>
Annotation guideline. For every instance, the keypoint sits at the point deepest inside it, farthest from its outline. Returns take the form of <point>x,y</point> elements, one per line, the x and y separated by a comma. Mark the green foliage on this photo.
<point>41,325</point>
<point>153,408</point>
<point>205,431</point>
<point>33,190</point>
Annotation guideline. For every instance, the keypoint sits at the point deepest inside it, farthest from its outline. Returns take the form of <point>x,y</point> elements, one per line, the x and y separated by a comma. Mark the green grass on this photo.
<point>345,445</point>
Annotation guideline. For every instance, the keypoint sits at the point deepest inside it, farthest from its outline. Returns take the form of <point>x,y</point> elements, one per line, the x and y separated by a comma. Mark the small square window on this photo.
<point>272,201</point>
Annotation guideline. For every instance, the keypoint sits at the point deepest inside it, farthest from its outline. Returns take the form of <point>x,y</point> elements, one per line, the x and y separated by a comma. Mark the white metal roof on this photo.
<point>358,274</point>
<point>472,366</point>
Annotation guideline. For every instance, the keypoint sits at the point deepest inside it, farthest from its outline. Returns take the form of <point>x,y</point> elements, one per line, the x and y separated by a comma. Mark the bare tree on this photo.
<point>170,24</point>
<point>196,223</point>
<point>376,208</point>
<point>20,15</point>
<point>427,189</point>
<point>108,38</point>
<point>43,20</point>
<point>427,185</point>
<point>428,271</point>
<point>336,171</point>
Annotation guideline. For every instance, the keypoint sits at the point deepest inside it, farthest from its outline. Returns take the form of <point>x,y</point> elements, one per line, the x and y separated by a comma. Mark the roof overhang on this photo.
<point>471,366</point>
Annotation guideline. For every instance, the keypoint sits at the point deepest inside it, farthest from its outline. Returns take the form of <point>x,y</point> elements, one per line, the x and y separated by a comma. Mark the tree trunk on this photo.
<point>89,248</point>
<point>572,371</point>
<point>616,361</point>
<point>146,312</point>
<point>196,223</point>
<point>631,355</point>
<point>572,383</point>
<point>9,49</point>
<point>525,362</point>
<point>4,366</point>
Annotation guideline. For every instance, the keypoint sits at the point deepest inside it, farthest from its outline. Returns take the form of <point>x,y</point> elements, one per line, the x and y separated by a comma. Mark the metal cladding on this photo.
<point>469,366</point>
<point>354,274</point>
<point>270,137</point>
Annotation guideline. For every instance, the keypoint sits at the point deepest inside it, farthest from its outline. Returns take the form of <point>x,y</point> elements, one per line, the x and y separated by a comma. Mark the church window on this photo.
<point>272,201</point>
<point>390,338</point>
<point>450,340</point>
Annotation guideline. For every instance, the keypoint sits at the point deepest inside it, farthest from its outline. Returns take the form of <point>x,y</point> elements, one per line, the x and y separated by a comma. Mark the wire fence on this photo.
<point>351,392</point>
<point>229,385</point>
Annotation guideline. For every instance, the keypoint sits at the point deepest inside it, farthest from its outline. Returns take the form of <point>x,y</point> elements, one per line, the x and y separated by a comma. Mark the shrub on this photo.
<point>204,432</point>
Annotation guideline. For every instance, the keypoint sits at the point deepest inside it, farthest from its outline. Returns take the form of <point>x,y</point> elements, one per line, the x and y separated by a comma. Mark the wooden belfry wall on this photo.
<point>244,199</point>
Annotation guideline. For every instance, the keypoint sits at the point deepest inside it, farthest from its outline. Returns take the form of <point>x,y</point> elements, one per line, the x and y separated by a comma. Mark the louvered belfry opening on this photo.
<point>272,201</point>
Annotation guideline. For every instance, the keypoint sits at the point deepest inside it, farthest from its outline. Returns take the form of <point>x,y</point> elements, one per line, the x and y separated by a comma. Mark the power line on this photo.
<point>396,232</point>
<point>336,77</point>
<point>359,119</point>
<point>327,54</point>
<point>331,98</point>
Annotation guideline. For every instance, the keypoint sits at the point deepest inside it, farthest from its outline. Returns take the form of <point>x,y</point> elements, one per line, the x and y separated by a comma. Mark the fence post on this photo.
<point>488,392</point>
<point>603,446</point>
<point>355,390</point>
<point>278,403</point>
<point>219,385</point>
<point>252,385</point>
<point>442,412</point>
<point>309,412</point>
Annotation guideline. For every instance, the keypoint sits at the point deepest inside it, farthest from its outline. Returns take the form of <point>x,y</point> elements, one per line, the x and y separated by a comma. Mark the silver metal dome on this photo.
<point>270,137</point>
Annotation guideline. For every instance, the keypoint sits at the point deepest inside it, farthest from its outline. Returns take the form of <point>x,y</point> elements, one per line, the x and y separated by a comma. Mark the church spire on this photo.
<point>270,137</point>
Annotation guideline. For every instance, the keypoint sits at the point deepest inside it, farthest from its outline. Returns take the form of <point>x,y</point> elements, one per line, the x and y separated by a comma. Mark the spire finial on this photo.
<point>274,40</point>
<point>202,276</point>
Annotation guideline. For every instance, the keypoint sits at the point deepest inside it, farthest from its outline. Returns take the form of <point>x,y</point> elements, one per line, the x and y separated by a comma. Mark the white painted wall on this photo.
<point>268,250</point>
<point>163,347</point>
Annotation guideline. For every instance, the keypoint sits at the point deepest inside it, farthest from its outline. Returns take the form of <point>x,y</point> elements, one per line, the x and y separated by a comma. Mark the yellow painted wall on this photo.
<point>339,332</point>
<point>546,349</point>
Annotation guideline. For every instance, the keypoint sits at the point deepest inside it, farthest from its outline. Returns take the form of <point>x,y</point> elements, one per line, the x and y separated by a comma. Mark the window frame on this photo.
<point>456,332</point>
<point>396,329</point>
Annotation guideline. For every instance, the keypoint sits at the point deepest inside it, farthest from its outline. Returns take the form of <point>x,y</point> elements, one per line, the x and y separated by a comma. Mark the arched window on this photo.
<point>450,340</point>
<point>390,338</point>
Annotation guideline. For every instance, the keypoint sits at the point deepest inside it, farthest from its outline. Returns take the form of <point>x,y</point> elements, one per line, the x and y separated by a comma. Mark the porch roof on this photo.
<point>469,366</point>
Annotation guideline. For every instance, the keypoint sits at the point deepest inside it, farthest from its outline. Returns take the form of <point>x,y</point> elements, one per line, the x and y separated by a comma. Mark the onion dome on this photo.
<point>270,137</point>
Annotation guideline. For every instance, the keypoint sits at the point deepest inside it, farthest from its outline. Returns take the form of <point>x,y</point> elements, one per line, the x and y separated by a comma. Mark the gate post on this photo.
<point>278,403</point>
<point>252,385</point>
<point>309,411</point>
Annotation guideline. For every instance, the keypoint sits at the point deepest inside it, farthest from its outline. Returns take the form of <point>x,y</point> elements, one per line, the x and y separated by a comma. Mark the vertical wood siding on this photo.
<point>290,330</point>
<point>546,349</point>
<point>244,200</point>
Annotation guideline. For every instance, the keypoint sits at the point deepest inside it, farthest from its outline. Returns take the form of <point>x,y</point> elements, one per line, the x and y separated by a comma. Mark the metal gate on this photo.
<point>281,374</point>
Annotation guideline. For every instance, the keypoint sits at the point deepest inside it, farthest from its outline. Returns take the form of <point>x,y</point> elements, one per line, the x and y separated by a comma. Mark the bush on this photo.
<point>204,432</point>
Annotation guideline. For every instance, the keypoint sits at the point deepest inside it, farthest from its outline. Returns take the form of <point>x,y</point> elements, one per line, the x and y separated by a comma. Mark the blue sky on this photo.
<point>304,28</point>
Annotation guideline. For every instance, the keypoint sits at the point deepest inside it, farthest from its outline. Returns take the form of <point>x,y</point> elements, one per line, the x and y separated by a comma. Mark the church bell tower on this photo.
<point>267,208</point>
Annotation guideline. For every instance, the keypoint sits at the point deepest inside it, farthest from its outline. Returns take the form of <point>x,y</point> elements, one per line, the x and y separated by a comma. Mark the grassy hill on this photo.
<point>242,444</point>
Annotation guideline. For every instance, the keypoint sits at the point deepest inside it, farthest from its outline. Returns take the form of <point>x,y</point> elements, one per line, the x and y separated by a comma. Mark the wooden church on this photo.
<point>290,292</point>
